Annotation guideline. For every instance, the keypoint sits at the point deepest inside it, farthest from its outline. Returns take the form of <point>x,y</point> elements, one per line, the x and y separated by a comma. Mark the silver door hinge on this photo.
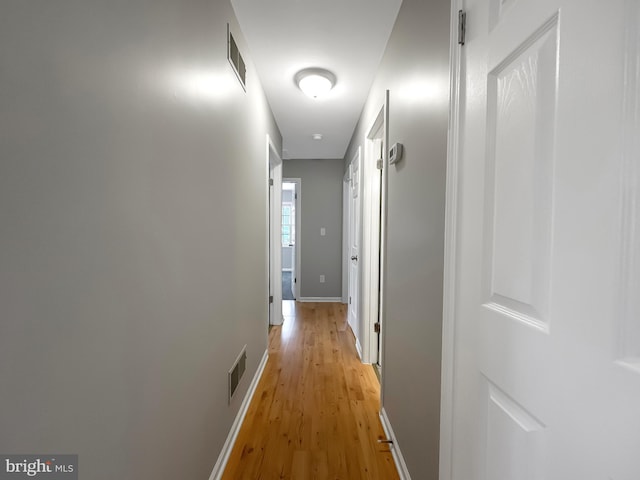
<point>295,196</point>
<point>270,298</point>
<point>349,300</point>
<point>379,164</point>
<point>462,26</point>
<point>271,182</point>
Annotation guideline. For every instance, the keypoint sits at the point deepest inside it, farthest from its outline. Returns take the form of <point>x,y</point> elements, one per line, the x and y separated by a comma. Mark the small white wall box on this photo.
<point>395,153</point>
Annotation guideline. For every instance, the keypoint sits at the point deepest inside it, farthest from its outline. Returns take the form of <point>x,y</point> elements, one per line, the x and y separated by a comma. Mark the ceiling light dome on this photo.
<point>315,82</point>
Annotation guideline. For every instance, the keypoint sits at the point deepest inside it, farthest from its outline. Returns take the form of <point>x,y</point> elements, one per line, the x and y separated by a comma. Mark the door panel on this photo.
<point>520,129</point>
<point>547,333</point>
<point>510,428</point>
<point>293,267</point>
<point>354,240</point>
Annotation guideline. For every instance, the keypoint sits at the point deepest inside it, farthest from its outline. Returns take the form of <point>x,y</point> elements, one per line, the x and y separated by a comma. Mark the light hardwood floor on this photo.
<point>315,412</point>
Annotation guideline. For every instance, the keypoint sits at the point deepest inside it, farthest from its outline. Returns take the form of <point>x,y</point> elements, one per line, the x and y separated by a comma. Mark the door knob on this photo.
<point>355,257</point>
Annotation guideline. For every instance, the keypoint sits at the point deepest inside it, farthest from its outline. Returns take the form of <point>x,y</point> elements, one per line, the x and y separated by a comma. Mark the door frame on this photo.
<point>274,229</point>
<point>371,293</point>
<point>297,277</point>
<point>346,219</point>
<point>456,56</point>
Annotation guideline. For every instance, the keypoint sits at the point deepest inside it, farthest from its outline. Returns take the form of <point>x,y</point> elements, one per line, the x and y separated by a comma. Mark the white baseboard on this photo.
<point>321,299</point>
<point>223,458</point>
<point>401,466</point>
<point>359,348</point>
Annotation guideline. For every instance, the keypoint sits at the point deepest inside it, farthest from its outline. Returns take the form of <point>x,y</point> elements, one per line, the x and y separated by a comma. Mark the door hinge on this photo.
<point>376,327</point>
<point>462,26</point>
<point>295,196</point>
<point>271,182</point>
<point>295,280</point>
<point>349,300</point>
<point>270,298</point>
<point>379,164</point>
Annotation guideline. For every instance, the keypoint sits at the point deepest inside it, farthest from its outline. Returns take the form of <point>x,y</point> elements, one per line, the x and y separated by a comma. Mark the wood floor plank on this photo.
<point>315,411</point>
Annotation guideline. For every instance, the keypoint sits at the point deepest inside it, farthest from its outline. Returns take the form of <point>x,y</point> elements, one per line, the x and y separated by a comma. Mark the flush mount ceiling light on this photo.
<point>315,82</point>
<point>317,136</point>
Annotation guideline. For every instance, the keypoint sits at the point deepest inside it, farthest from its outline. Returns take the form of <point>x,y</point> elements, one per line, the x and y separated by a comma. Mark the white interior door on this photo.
<point>355,227</point>
<point>293,271</point>
<point>296,237</point>
<point>545,364</point>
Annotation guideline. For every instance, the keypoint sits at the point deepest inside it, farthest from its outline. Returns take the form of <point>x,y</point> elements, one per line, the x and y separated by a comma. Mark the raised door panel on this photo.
<point>547,316</point>
<point>515,440</point>
<point>519,193</point>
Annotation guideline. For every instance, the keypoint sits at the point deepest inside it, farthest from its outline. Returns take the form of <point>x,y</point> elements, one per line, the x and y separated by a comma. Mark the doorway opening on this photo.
<point>365,251</point>
<point>274,296</point>
<point>289,239</point>
<point>374,196</point>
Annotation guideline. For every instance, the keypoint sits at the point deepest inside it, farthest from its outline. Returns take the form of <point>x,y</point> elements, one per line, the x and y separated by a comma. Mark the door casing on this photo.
<point>297,273</point>
<point>274,222</point>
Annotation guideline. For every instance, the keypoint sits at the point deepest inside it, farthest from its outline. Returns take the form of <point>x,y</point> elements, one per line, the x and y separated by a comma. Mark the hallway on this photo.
<point>315,411</point>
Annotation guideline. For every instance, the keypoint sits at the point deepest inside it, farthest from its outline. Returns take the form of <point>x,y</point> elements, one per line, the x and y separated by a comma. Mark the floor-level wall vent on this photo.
<point>236,372</point>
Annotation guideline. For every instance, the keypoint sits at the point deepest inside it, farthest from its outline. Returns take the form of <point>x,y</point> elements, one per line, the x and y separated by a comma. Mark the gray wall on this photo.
<point>415,70</point>
<point>321,206</point>
<point>129,281</point>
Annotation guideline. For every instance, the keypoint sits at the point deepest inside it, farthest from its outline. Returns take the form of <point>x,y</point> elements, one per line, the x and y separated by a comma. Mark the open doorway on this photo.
<point>364,254</point>
<point>289,239</point>
<point>274,170</point>
<point>373,231</point>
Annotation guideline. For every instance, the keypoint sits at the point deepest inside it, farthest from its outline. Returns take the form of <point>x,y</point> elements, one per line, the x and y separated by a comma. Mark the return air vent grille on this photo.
<point>235,59</point>
<point>236,372</point>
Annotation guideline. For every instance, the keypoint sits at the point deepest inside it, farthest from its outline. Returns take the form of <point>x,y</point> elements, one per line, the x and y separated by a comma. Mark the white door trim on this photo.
<point>383,239</point>
<point>345,237</point>
<point>298,236</point>
<point>450,248</point>
<point>274,227</point>
<point>371,227</point>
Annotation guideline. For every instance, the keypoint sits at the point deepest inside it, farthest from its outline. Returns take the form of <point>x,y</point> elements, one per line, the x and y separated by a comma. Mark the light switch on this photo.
<point>323,231</point>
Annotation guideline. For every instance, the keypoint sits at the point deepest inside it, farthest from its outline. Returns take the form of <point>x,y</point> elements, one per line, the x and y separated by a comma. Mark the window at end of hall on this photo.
<point>288,222</point>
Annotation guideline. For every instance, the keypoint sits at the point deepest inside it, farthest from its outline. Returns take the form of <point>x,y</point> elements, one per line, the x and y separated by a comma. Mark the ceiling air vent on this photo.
<point>235,59</point>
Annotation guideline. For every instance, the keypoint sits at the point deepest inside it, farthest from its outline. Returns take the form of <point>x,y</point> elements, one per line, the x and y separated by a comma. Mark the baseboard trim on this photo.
<point>359,348</point>
<point>401,466</point>
<point>321,299</point>
<point>223,458</point>
<point>280,321</point>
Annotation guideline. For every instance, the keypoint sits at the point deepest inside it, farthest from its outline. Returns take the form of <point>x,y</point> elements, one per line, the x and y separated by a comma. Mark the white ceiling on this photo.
<point>347,37</point>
